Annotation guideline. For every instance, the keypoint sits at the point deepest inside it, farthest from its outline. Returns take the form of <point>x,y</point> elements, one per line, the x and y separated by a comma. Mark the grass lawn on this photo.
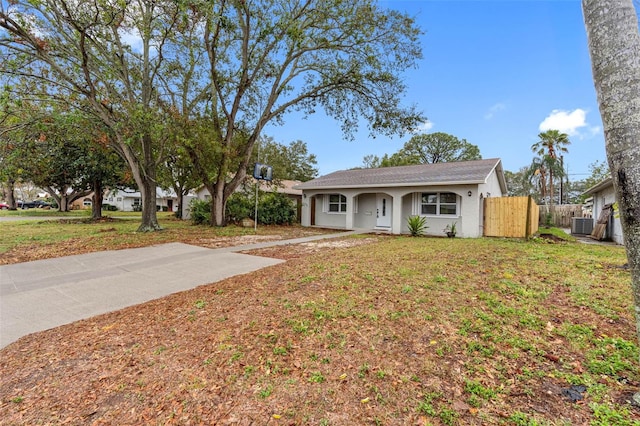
<point>74,233</point>
<point>370,329</point>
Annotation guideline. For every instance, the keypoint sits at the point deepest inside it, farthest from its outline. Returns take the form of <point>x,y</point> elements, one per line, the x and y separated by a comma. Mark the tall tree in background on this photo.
<point>440,147</point>
<point>519,184</point>
<point>614,45</point>
<point>427,149</point>
<point>551,144</point>
<point>291,162</point>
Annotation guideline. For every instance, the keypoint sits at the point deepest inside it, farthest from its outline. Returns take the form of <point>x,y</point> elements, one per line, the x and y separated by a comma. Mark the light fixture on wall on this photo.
<point>488,194</point>
<point>469,193</point>
<point>304,195</point>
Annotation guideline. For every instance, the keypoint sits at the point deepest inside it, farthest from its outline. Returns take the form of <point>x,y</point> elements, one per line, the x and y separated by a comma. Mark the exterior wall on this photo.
<point>602,198</point>
<point>122,200</point>
<point>467,220</point>
<point>365,218</point>
<point>330,220</point>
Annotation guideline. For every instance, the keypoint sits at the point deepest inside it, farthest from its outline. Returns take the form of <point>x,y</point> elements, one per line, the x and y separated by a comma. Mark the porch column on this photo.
<point>396,220</point>
<point>305,211</point>
<point>349,219</point>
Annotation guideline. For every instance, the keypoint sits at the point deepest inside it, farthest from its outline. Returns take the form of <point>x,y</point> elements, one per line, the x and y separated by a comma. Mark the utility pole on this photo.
<point>561,178</point>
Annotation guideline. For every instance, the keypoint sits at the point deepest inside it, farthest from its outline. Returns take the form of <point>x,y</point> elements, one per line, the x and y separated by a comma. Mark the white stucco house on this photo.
<point>603,201</point>
<point>383,198</point>
<point>129,200</point>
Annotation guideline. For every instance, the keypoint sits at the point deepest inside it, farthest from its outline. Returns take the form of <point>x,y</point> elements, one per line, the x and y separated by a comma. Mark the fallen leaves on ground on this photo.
<point>368,330</point>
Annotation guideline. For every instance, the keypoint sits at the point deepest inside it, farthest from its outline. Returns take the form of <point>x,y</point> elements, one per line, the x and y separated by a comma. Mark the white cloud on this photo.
<point>132,38</point>
<point>424,127</point>
<point>494,109</point>
<point>569,122</point>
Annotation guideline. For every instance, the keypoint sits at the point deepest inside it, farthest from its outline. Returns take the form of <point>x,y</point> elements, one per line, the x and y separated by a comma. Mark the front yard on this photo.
<point>363,330</point>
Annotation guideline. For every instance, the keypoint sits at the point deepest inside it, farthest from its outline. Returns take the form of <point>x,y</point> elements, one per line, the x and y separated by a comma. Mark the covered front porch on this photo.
<point>387,210</point>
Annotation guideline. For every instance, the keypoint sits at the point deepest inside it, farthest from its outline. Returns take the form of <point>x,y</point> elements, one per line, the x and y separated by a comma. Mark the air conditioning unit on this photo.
<point>582,225</point>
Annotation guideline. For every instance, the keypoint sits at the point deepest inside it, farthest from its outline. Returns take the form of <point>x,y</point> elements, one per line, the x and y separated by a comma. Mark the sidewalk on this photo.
<point>43,294</point>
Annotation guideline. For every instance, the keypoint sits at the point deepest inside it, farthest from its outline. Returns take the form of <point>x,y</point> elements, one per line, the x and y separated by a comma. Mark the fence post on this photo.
<point>527,232</point>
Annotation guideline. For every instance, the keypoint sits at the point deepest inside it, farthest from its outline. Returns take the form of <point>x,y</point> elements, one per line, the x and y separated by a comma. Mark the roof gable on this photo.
<point>452,173</point>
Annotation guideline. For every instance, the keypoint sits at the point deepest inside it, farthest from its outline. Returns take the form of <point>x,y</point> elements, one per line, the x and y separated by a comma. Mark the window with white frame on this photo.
<point>439,204</point>
<point>336,203</point>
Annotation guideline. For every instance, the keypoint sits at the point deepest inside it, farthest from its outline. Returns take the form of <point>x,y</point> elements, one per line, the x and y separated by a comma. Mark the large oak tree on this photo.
<point>218,70</point>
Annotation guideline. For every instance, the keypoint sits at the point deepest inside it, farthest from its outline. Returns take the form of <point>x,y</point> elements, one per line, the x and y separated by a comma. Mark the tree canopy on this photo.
<point>426,149</point>
<point>292,162</point>
<point>223,70</point>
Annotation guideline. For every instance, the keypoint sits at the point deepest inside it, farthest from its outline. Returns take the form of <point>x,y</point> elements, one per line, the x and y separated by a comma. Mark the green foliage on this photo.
<point>451,229</point>
<point>273,209</point>
<point>200,211</point>
<point>109,207</point>
<point>612,356</point>
<point>417,225</point>
<point>605,415</point>
<point>240,206</point>
<point>291,161</point>
<point>276,209</point>
<point>427,149</point>
<point>548,167</point>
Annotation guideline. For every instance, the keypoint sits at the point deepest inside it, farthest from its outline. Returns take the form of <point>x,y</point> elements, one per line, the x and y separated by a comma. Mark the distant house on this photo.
<point>602,201</point>
<point>82,203</point>
<point>129,200</point>
<point>383,198</point>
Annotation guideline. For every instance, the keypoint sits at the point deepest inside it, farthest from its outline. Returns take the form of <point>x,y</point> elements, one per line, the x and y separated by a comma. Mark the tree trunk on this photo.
<point>96,205</point>
<point>63,204</point>
<point>218,203</point>
<point>551,188</point>
<point>146,181</point>
<point>614,45</point>
<point>149,209</point>
<point>11,197</point>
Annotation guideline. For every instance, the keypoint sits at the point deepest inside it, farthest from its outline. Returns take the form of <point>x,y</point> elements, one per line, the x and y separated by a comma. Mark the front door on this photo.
<point>383,211</point>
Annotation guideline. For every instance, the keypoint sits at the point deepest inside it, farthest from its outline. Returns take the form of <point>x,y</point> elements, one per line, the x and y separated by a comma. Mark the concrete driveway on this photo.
<point>36,296</point>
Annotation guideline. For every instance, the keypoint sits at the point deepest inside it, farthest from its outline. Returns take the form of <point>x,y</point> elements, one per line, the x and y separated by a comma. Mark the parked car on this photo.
<point>4,206</point>
<point>36,204</point>
<point>41,204</point>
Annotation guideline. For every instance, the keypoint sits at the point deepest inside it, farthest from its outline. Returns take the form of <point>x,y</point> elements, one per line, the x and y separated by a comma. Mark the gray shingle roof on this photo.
<point>463,172</point>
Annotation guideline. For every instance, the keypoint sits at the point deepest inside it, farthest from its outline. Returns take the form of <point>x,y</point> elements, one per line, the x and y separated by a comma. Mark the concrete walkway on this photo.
<point>36,296</point>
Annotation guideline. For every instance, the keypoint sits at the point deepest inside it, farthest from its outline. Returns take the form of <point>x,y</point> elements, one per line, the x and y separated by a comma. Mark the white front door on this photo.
<point>383,211</point>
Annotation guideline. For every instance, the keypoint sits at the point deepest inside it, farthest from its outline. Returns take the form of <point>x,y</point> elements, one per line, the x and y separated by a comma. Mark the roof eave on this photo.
<point>392,185</point>
<point>599,186</point>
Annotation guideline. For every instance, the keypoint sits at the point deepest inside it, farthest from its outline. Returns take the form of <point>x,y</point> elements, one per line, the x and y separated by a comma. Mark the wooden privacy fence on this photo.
<point>515,217</point>
<point>561,215</point>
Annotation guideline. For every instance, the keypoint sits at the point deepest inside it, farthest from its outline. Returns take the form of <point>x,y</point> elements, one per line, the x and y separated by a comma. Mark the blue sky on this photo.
<point>495,73</point>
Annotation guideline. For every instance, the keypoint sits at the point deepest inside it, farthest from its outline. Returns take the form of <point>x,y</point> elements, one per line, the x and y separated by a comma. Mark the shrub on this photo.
<point>200,211</point>
<point>239,206</point>
<point>417,225</point>
<point>276,209</point>
<point>109,207</point>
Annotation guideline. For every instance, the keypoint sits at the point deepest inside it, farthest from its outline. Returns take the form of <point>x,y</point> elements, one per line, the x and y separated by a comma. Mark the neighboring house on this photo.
<point>82,203</point>
<point>383,198</point>
<point>281,186</point>
<point>602,197</point>
<point>128,200</point>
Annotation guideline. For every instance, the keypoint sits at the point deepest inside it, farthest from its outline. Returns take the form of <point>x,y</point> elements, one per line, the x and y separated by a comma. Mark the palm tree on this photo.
<point>540,172</point>
<point>550,144</point>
